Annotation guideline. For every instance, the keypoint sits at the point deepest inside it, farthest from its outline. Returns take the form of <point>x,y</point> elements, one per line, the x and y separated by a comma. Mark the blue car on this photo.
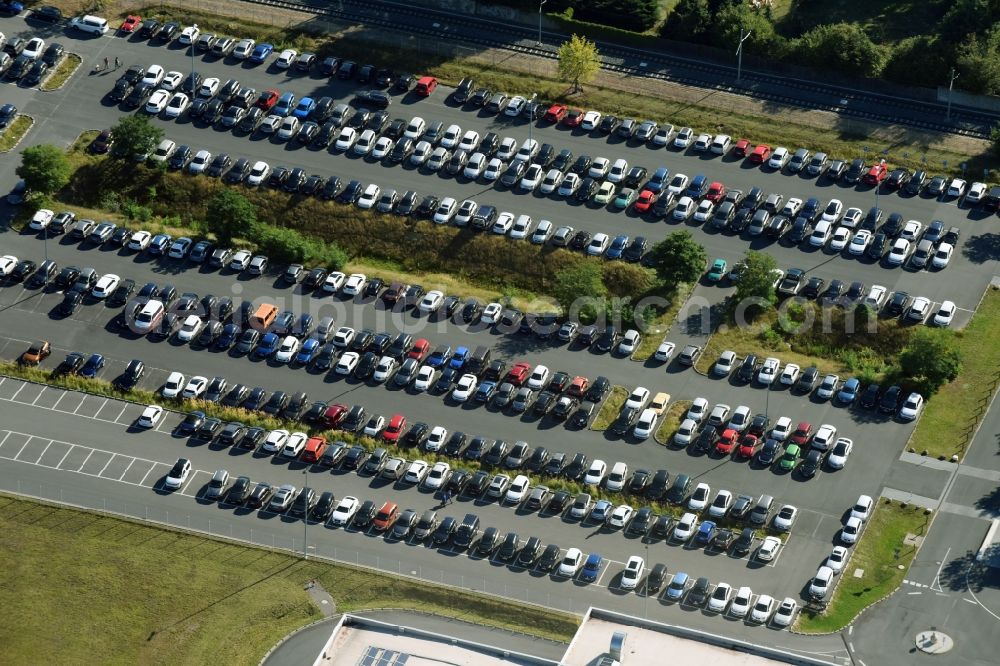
<point>439,357</point>
<point>705,532</point>
<point>485,391</point>
<point>602,508</point>
<point>261,53</point>
<point>268,345</point>
<point>698,187</point>
<point>92,366</point>
<point>305,107</point>
<point>849,391</point>
<point>678,585</point>
<point>285,104</point>
<point>158,245</point>
<point>230,333</point>
<point>659,180</point>
<point>592,568</point>
<point>458,359</point>
<point>308,351</point>
<point>617,246</point>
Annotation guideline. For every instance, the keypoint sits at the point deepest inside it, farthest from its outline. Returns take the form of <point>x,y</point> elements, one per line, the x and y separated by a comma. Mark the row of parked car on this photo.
<point>28,61</point>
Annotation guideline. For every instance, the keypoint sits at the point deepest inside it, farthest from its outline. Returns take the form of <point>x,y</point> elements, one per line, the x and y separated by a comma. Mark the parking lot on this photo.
<point>56,435</point>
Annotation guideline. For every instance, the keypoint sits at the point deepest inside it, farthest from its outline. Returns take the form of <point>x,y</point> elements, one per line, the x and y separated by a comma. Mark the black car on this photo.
<point>889,402</point>
<point>47,13</point>
<point>577,467</point>
<point>374,98</point>
<point>134,371</point>
<point>23,270</point>
<point>810,465</point>
<point>869,398</point>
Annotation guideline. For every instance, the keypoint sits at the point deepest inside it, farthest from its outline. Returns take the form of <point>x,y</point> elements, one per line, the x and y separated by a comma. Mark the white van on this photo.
<point>149,317</point>
<point>95,25</point>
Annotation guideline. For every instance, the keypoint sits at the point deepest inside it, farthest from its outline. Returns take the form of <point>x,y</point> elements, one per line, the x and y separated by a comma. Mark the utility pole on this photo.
<point>305,523</point>
<point>951,84</point>
<point>739,53</point>
<point>540,3</point>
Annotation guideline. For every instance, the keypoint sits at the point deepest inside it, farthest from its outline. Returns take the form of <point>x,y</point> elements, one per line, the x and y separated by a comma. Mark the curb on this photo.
<point>284,639</point>
<point>12,148</point>
<point>63,84</point>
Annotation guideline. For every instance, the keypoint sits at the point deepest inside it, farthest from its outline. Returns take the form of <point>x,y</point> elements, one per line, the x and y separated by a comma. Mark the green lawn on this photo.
<point>950,417</point>
<point>610,409</point>
<point>62,72</point>
<point>12,134</point>
<point>81,585</point>
<point>883,557</point>
<point>671,420</point>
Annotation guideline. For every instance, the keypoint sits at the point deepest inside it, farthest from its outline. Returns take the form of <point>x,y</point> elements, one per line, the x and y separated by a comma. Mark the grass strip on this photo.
<point>671,421</point>
<point>136,594</point>
<point>611,408</point>
<point>14,132</point>
<point>884,559</point>
<point>661,323</point>
<point>60,75</point>
<point>950,418</point>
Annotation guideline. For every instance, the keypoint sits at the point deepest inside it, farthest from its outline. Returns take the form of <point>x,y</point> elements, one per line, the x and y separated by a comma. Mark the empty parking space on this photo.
<point>96,462</point>
<point>50,398</point>
<point>55,454</point>
<point>12,443</point>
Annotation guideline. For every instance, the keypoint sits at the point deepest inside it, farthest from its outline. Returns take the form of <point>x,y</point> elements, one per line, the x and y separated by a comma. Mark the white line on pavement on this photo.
<point>113,456</point>
<point>30,437</point>
<point>71,447</point>
<point>126,470</point>
<point>51,442</point>
<point>38,396</point>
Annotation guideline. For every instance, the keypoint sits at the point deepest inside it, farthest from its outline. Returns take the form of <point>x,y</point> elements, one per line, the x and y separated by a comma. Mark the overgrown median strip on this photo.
<point>65,69</point>
<point>883,556</point>
<point>182,598</point>
<point>13,133</point>
<point>610,409</point>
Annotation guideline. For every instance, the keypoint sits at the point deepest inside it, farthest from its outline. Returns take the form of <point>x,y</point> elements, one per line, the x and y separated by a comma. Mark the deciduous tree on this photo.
<point>135,135</point>
<point>678,258</point>
<point>44,168</point>
<point>230,214</point>
<point>579,61</point>
<point>931,358</point>
<point>580,290</point>
<point>756,279</point>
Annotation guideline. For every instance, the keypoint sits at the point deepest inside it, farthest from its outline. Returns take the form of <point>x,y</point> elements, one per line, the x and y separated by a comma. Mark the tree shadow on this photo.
<point>982,248</point>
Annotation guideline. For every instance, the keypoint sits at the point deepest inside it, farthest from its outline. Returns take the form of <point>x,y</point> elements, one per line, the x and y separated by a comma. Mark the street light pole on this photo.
<point>739,53</point>
<point>531,117</point>
<point>540,3</point>
<point>951,84</point>
<point>305,523</point>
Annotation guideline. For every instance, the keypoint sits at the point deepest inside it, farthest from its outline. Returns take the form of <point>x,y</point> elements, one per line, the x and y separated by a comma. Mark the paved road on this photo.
<point>81,104</point>
<point>90,458</point>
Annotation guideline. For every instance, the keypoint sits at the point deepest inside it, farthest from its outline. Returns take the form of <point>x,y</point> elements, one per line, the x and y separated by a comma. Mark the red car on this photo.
<point>421,348</point>
<point>760,154</point>
<point>518,373</point>
<point>803,432</point>
<point>876,175</point>
<point>333,415</point>
<point>748,446</point>
<point>645,201</point>
<point>395,428</point>
<point>573,118</point>
<point>268,99</point>
<point>716,192</point>
<point>578,387</point>
<point>131,22</point>
<point>556,113</point>
<point>727,442</point>
<point>742,147</point>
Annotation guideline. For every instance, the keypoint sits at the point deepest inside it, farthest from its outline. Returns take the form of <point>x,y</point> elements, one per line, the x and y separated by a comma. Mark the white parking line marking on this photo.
<point>14,397</point>
<point>80,405</point>
<point>143,481</point>
<point>51,442</point>
<point>23,446</point>
<point>84,461</point>
<point>59,464</point>
<point>113,456</point>
<point>100,408</point>
<point>56,404</point>
<point>126,470</point>
<point>121,412</point>
<point>4,440</point>
<point>40,393</point>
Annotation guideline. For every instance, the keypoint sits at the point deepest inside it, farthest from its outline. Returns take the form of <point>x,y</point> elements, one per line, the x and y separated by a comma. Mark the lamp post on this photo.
<point>531,114</point>
<point>951,84</point>
<point>540,3</point>
<point>305,523</point>
<point>739,53</point>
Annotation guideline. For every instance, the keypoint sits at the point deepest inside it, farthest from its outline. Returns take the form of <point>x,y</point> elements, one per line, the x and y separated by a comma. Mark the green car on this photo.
<point>625,198</point>
<point>790,458</point>
<point>604,193</point>
<point>718,270</point>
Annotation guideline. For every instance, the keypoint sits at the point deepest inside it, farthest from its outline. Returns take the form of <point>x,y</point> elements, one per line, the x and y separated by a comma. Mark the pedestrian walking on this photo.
<point>445,498</point>
<point>117,63</point>
<point>105,62</point>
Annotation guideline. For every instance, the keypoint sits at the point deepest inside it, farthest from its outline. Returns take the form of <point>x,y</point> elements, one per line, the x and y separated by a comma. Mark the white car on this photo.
<point>438,475</point>
<point>825,436</point>
<point>201,161</point>
<point>976,193</point>
<point>685,527</point>
<point>294,445</point>
<point>437,438</point>
<point>618,170</point>
<point>684,209</point>
<point>493,169</point>
<point>840,453</point>
<point>465,387</point>
<point>956,188</point>
<point>491,314</point>
<point>630,342</point>
<point>899,252</point>
<point>912,407</point>
<point>819,586</point>
<point>741,602</point>
<point>345,511</point>
<point>638,398</point>
<point>762,610</point>
<point>157,101</point>
<point>740,419</point>
<point>416,472</point>
<point>945,313</point>
<point>911,231</point>
<point>876,297</point>
<point>550,183</point>
<point>421,153</point>
<point>779,158</point>
<point>678,184</point>
<point>698,410</point>
<point>522,227</point>
<point>599,168</point>
<point>445,210</point>
<point>789,375</point>
<point>646,424</point>
<point>704,211</point>
<point>374,426</point>
<point>275,441</point>
<point>785,614</point>
<point>451,137</point>
<point>154,75</point>
<point>821,234</point>
<point>591,119</point>
<point>665,351</point>
<point>41,219</point>
<point>570,184</point>
<point>189,35</point>
<point>346,139</point>
<point>382,148</point>
<point>354,284</point>
<point>634,569</point>
<point>426,376</point>
<point>369,196</point>
<point>243,48</point>
<point>195,387</point>
<point>343,337</point>
<point>683,138</point>
<point>596,473</point>
<point>785,517</point>
<point>837,559</point>
<point>862,509</point>
<point>942,255</point>
<point>617,477</point>
<point>259,173</point>
<point>720,597</point>
<point>288,349</point>
<point>475,167</point>
<point>347,363</point>
<point>364,143</point>
<point>504,223</point>
<point>919,309</point>
<point>782,429</point>
<point>769,371</point>
<point>702,143</point>
<point>851,530</point>
<point>177,105</point>
<point>190,328</point>
<point>724,365</point>
<point>140,241</point>
<point>860,242</point>
<point>699,498</point>
<point>34,48</point>
<point>289,128</point>
<point>570,563</point>
<point>517,490</point>
<point>286,58</point>
<point>334,282</point>
<point>171,80</point>
<point>720,505</point>
<point>150,416</point>
<point>431,301</point>
<point>685,432</point>
<point>470,141</point>
<point>620,516</point>
<point>539,377</point>
<point>386,366</point>
<point>834,210</point>
<point>178,475</point>
<point>841,237</point>
<point>105,286</point>
<point>598,244</point>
